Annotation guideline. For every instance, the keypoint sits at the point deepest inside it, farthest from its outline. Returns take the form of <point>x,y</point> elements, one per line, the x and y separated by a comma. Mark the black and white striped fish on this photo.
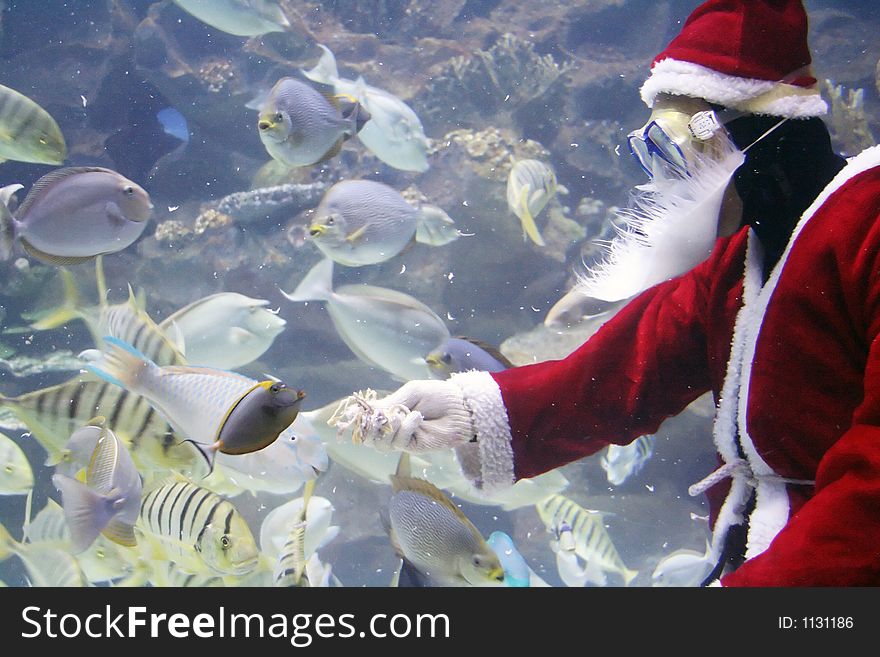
<point>592,542</point>
<point>197,529</point>
<point>621,462</point>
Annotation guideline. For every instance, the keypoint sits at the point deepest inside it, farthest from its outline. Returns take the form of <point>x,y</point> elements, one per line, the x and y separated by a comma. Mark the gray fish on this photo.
<point>434,537</point>
<point>383,327</point>
<point>238,17</point>
<point>462,354</point>
<point>362,222</point>
<point>109,501</point>
<point>72,215</point>
<point>300,126</point>
<point>28,133</point>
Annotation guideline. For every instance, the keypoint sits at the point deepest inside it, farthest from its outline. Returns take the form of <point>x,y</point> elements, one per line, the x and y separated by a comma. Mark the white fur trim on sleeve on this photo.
<point>483,398</point>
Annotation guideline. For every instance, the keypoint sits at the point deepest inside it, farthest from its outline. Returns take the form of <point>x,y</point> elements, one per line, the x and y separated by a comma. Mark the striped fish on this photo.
<point>52,414</point>
<point>197,529</point>
<point>28,133</point>
<point>291,566</point>
<point>620,462</point>
<point>45,563</point>
<point>592,542</point>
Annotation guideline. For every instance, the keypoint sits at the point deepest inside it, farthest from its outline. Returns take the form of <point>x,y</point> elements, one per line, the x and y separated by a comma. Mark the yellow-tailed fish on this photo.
<point>225,330</point>
<point>439,546</point>
<point>72,215</point>
<point>16,475</point>
<point>52,414</point>
<point>530,186</point>
<point>591,540</point>
<point>217,410</point>
<point>197,529</point>
<point>46,564</point>
<point>383,327</point>
<point>300,126</point>
<point>28,133</point>
<point>620,462</point>
<point>394,133</point>
<point>109,501</point>
<point>460,354</point>
<point>363,222</point>
<point>238,17</point>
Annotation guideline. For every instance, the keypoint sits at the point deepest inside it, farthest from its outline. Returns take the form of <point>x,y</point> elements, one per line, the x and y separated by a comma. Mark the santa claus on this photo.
<point>753,267</point>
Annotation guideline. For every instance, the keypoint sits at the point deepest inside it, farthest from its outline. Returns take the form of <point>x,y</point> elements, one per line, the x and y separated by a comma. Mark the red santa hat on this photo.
<point>750,55</point>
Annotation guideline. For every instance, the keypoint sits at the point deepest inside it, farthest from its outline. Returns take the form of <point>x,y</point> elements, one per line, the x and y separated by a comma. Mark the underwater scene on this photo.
<point>208,208</point>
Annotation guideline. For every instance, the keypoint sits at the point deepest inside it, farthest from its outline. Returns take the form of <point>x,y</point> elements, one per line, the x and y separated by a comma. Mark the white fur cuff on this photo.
<point>483,398</point>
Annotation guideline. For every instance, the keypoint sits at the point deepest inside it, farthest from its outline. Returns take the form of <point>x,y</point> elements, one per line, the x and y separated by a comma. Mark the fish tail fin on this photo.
<point>530,228</point>
<point>7,222</point>
<point>208,453</point>
<point>67,311</point>
<point>87,512</point>
<point>316,286</point>
<point>325,71</point>
<point>360,116</point>
<point>435,227</point>
<point>120,364</point>
<point>6,543</point>
<point>629,575</point>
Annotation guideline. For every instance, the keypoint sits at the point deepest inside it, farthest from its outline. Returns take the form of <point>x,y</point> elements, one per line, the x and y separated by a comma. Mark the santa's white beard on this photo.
<point>670,227</point>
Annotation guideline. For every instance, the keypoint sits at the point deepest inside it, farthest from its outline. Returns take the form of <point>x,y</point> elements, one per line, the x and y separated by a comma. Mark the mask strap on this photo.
<point>766,132</point>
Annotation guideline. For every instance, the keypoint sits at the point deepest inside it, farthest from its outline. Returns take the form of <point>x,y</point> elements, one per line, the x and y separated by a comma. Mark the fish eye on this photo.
<point>44,141</point>
<point>446,358</point>
<point>478,561</point>
<point>128,189</point>
<point>276,387</point>
<point>100,553</point>
<point>278,117</point>
<point>9,468</point>
<point>224,542</point>
<point>329,221</point>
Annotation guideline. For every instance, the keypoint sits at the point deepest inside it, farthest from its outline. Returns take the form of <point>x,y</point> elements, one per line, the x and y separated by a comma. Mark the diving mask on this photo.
<point>672,132</point>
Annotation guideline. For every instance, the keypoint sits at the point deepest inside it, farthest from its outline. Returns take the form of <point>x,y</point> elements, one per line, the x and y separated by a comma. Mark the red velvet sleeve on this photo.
<point>645,364</point>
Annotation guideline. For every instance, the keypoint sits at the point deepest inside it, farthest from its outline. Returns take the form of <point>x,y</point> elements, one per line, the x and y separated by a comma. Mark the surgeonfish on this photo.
<point>28,133</point>
<point>363,222</point>
<point>460,354</point>
<point>684,567</point>
<point>318,528</point>
<point>72,215</point>
<point>394,133</point>
<point>439,546</point>
<point>102,561</point>
<point>383,327</point>
<point>199,530</point>
<point>530,186</point>
<point>16,475</point>
<point>300,126</point>
<point>226,330</point>
<point>109,500</point>
<point>620,462</point>
<point>239,17</point>
<point>575,307</point>
<point>219,411</point>
<point>516,571</point>
<point>591,540</point>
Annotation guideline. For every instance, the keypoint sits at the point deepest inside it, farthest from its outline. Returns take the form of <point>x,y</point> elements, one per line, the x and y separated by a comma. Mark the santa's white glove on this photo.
<point>420,416</point>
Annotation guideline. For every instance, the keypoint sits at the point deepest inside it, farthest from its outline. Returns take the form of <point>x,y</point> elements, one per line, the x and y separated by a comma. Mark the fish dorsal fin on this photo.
<point>489,349</point>
<point>99,474</point>
<point>426,488</point>
<point>52,259</point>
<point>404,468</point>
<point>53,178</point>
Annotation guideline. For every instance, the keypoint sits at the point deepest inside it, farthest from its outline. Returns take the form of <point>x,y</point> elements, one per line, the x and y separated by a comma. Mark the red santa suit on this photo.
<point>794,365</point>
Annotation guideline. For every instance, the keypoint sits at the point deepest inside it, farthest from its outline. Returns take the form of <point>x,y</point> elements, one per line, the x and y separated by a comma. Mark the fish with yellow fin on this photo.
<point>28,133</point>
<point>437,543</point>
<point>300,126</point>
<point>530,186</point>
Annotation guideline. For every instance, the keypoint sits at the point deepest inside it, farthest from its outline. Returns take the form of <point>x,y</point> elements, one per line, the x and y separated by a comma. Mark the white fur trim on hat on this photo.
<point>682,78</point>
<point>483,397</point>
